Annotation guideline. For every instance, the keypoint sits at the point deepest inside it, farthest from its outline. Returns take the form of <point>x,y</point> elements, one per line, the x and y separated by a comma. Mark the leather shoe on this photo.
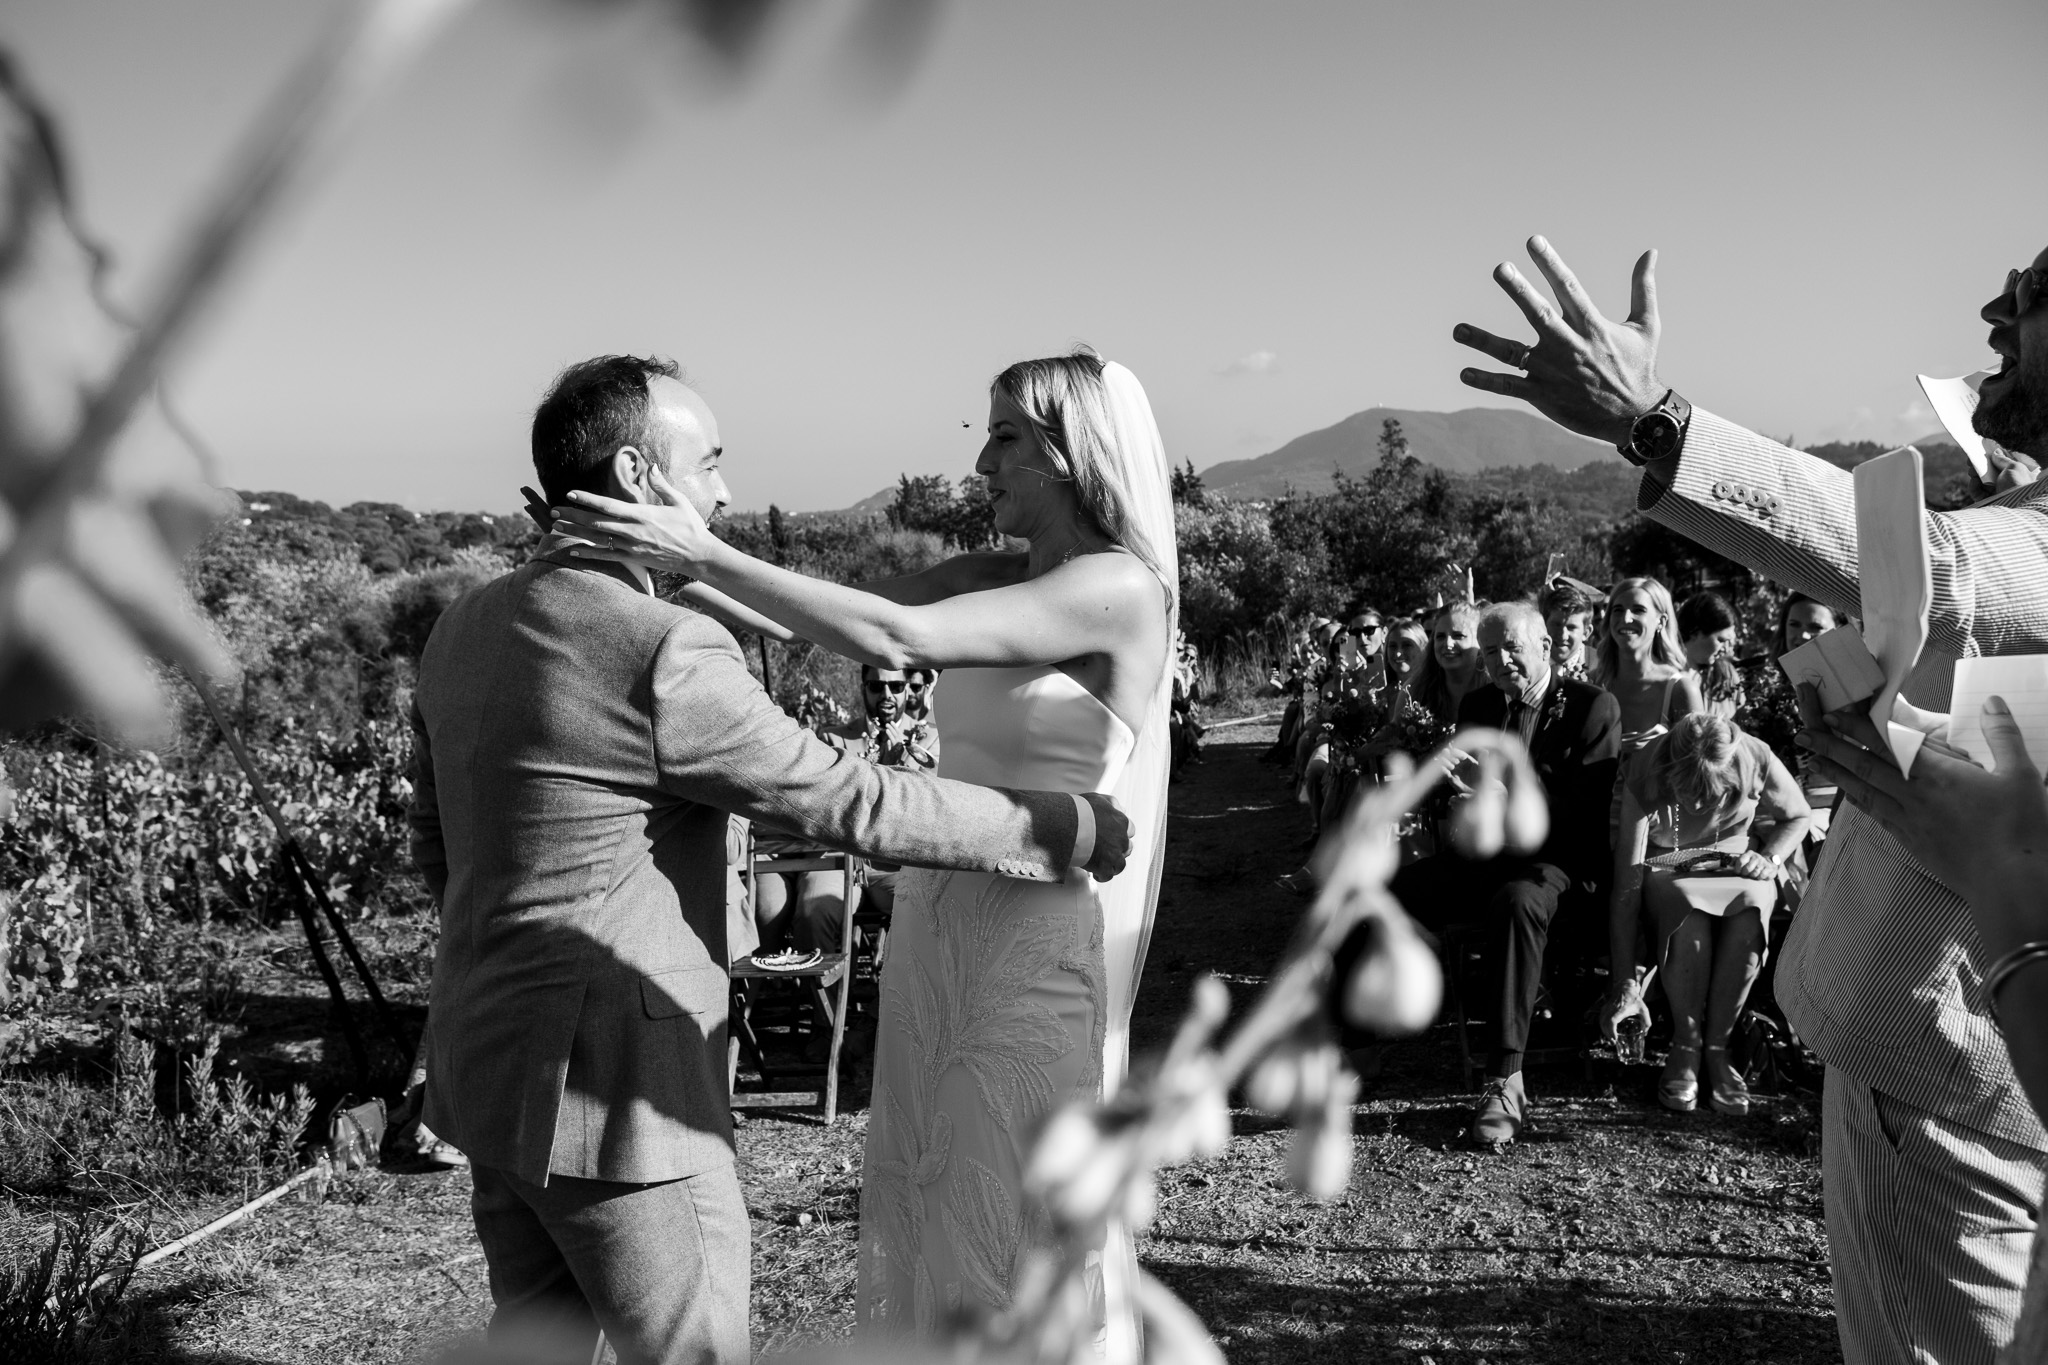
<point>1502,1111</point>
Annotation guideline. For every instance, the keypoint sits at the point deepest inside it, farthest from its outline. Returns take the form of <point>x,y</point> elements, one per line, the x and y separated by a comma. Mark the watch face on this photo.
<point>1656,435</point>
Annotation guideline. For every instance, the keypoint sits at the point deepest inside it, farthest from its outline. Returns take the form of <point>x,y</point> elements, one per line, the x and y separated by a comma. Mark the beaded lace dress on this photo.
<point>997,1007</point>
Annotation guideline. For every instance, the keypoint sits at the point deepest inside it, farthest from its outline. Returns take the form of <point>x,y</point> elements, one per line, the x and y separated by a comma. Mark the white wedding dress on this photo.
<point>1001,1000</point>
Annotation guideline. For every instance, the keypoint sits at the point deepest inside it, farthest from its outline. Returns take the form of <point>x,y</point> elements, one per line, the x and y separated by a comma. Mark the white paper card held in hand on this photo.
<point>2022,679</point>
<point>1895,580</point>
<point>1840,667</point>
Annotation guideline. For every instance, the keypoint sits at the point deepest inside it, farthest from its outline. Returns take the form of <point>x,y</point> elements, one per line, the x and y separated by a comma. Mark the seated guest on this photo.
<point>1354,671</point>
<point>805,910</point>
<point>919,686</point>
<point>1570,609</point>
<point>1407,647</point>
<point>1706,632</point>
<point>1453,670</point>
<point>1642,663</point>
<point>1770,709</point>
<point>1572,730</point>
<point>1185,727</point>
<point>1700,788</point>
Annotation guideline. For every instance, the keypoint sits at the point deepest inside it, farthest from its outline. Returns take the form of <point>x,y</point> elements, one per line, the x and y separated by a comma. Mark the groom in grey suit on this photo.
<point>579,743</point>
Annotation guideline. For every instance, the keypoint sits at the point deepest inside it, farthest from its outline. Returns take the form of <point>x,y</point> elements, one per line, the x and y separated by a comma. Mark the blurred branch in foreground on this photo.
<point>89,584</point>
<point>1094,1164</point>
<point>90,530</point>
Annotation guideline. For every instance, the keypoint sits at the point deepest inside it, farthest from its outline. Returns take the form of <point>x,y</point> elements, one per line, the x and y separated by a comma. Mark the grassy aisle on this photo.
<point>1616,1232</point>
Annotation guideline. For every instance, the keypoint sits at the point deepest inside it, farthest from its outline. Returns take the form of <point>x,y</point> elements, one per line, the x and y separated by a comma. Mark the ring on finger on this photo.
<point>1521,357</point>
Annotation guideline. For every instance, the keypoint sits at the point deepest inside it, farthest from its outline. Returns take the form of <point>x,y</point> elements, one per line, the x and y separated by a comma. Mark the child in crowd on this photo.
<point>1570,610</point>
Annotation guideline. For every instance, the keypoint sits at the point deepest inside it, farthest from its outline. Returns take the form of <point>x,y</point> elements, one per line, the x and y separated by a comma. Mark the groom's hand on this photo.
<point>1112,838</point>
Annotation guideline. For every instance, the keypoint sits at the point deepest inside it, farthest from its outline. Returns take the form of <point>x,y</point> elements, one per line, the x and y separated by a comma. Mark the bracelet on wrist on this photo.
<point>2007,967</point>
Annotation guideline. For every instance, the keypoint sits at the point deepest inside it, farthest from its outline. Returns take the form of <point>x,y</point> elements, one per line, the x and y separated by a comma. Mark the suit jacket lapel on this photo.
<point>1545,713</point>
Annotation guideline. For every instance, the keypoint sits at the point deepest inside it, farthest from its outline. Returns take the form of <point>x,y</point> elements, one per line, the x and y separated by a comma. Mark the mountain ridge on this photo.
<point>1466,441</point>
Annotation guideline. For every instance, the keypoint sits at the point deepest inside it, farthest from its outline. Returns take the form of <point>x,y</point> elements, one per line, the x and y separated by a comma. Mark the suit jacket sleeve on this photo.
<point>429,854</point>
<point>719,740</point>
<point>1792,517</point>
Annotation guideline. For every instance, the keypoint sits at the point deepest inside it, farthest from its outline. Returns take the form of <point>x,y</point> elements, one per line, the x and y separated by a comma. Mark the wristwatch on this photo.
<point>1658,433</point>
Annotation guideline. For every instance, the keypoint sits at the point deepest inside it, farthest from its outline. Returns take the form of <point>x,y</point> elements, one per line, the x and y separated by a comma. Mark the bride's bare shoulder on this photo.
<point>1114,575</point>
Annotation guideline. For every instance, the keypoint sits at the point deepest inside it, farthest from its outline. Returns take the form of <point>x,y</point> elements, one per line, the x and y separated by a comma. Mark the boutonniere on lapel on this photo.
<point>1553,710</point>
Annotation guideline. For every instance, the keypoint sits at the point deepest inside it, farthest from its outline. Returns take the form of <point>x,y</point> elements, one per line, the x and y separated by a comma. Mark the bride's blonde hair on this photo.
<point>1067,403</point>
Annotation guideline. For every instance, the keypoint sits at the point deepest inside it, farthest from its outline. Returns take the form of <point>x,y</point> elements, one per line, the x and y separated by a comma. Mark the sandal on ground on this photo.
<point>1725,1088</point>
<point>1679,1087</point>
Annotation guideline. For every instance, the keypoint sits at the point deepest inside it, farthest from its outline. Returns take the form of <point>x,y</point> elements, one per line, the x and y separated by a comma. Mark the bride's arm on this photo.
<point>1095,604</point>
<point>719,607</point>
<point>948,578</point>
<point>973,572</point>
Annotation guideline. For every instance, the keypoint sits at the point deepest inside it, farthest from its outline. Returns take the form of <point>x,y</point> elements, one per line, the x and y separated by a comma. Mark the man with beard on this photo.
<point>1933,1159</point>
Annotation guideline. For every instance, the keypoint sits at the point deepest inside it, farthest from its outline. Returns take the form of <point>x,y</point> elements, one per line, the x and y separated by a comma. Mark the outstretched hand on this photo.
<point>1983,834</point>
<point>670,535</point>
<point>1112,838</point>
<point>1584,372</point>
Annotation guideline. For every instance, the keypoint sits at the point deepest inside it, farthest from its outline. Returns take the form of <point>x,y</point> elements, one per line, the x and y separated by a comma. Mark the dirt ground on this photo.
<point>1614,1232</point>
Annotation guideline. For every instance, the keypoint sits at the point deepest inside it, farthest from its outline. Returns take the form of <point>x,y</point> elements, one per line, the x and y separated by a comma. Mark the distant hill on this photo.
<point>1945,472</point>
<point>1500,450</point>
<point>1463,442</point>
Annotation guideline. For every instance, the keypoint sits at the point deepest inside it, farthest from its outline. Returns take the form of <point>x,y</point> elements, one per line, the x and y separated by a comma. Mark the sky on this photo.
<point>1273,212</point>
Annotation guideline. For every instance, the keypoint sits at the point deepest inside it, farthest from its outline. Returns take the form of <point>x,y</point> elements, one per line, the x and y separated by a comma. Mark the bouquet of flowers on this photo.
<point>1410,726</point>
<point>1357,716</point>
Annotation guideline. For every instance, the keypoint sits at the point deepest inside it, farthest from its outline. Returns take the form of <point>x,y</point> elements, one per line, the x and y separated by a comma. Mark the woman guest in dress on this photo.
<point>1454,666</point>
<point>1771,709</point>
<point>1642,663</point>
<point>1706,630</point>
<point>1407,647</point>
<point>1704,788</point>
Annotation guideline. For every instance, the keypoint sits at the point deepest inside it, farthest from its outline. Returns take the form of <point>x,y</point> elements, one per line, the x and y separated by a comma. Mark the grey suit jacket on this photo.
<point>578,745</point>
<point>1883,972</point>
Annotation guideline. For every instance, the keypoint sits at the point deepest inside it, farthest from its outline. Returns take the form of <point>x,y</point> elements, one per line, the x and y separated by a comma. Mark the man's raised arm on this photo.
<point>1780,512</point>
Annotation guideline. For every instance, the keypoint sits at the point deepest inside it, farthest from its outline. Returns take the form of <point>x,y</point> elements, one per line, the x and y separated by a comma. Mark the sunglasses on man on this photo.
<point>2026,287</point>
<point>884,685</point>
<point>1364,632</point>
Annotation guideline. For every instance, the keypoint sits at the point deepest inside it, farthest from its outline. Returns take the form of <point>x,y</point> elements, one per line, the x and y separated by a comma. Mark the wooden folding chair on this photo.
<point>827,984</point>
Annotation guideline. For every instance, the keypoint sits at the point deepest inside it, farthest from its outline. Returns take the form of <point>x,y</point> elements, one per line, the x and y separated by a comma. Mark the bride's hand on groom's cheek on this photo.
<point>1112,838</point>
<point>671,535</point>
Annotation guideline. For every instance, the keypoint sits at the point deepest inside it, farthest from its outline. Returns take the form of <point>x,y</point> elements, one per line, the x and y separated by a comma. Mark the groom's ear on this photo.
<point>629,474</point>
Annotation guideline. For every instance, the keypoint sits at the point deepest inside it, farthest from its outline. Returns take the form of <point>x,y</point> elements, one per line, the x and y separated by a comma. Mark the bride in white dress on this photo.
<point>1001,999</point>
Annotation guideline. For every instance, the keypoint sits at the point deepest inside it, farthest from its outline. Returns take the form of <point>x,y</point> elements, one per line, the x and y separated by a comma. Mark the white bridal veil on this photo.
<point>1138,472</point>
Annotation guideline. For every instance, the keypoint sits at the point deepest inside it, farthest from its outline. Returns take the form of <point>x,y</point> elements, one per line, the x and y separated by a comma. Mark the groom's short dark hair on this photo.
<point>593,408</point>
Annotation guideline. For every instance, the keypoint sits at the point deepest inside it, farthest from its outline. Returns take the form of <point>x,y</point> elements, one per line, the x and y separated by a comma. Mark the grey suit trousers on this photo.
<point>663,1269</point>
<point>1929,1225</point>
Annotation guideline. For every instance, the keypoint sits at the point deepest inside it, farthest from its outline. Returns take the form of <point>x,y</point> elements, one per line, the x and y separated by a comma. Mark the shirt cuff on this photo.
<point>1084,831</point>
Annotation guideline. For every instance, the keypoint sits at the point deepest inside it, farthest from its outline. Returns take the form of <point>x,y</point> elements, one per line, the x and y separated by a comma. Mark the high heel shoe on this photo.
<point>1679,1087</point>
<point>1726,1091</point>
